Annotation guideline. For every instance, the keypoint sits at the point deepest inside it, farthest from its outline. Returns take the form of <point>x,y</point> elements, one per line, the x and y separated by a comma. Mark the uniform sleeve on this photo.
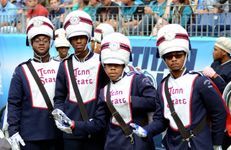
<point>60,88</point>
<point>15,98</point>
<point>159,123</point>
<point>220,83</point>
<point>97,123</point>
<point>215,107</point>
<point>143,94</point>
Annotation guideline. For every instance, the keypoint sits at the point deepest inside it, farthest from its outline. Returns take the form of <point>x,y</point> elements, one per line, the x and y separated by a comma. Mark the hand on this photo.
<point>15,141</point>
<point>209,72</point>
<point>62,121</point>
<point>64,127</point>
<point>217,147</point>
<point>138,130</point>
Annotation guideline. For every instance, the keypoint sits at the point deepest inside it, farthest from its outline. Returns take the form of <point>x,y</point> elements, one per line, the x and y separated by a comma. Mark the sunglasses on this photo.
<point>176,55</point>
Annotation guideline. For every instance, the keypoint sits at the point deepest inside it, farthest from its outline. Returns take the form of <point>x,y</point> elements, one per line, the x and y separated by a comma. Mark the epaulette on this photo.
<point>165,78</point>
<point>69,57</point>
<point>25,62</point>
<point>53,58</point>
<point>196,72</point>
<point>132,73</point>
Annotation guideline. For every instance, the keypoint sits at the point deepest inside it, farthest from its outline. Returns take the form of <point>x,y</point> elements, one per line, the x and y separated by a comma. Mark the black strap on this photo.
<point>41,87</point>
<point>82,109</point>
<point>126,128</point>
<point>184,133</point>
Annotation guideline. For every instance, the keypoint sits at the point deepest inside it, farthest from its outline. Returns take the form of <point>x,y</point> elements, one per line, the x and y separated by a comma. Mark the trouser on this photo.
<point>43,145</point>
<point>84,144</point>
<point>226,141</point>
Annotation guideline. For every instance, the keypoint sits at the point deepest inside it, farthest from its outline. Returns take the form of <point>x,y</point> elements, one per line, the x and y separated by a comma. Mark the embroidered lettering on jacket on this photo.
<point>43,72</point>
<point>79,72</point>
<point>177,101</point>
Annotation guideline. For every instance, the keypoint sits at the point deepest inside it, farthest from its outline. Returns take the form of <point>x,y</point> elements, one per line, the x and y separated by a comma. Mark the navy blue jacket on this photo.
<point>143,100</point>
<point>24,116</point>
<point>224,71</point>
<point>205,101</point>
<point>62,92</point>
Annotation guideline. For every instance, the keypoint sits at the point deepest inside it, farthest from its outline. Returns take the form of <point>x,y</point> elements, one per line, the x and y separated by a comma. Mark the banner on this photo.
<point>13,51</point>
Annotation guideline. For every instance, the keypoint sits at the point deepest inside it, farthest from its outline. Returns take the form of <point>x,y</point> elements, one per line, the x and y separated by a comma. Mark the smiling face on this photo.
<point>41,44</point>
<point>114,71</point>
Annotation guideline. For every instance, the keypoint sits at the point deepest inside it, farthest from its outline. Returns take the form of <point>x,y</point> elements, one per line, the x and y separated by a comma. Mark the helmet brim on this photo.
<point>77,34</point>
<point>113,61</point>
<point>174,49</point>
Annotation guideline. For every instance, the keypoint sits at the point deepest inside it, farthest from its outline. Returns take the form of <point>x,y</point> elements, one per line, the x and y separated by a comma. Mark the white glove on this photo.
<point>63,127</point>
<point>217,147</point>
<point>138,130</point>
<point>62,121</point>
<point>15,141</point>
<point>209,72</point>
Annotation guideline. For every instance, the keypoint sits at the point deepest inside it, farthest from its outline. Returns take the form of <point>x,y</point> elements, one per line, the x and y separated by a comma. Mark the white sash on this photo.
<point>120,97</point>
<point>180,90</point>
<point>47,72</point>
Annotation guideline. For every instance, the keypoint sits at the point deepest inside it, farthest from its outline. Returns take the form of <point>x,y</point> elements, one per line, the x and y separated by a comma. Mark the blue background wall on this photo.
<point>13,51</point>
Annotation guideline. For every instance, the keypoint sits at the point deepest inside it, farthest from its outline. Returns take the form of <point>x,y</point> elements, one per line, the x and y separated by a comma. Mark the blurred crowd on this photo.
<point>137,17</point>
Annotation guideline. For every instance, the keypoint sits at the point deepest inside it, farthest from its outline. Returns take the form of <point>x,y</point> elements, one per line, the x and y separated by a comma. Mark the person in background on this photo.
<point>31,126</point>
<point>223,2</point>
<point>220,70</point>
<point>220,73</point>
<point>35,9</point>
<point>130,94</point>
<point>102,30</point>
<point>62,45</point>
<point>82,72</point>
<point>132,12</point>
<point>93,4</point>
<point>107,12</point>
<point>56,13</point>
<point>153,12</point>
<point>178,12</point>
<point>187,99</point>
<point>8,14</point>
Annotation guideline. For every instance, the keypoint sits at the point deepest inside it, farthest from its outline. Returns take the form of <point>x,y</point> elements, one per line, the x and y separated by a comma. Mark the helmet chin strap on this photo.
<point>39,57</point>
<point>122,74</point>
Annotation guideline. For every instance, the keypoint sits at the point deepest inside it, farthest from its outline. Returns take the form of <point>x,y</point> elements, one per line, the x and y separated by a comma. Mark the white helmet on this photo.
<point>39,25</point>
<point>172,37</point>
<point>60,38</point>
<point>102,30</point>
<point>115,49</point>
<point>78,23</point>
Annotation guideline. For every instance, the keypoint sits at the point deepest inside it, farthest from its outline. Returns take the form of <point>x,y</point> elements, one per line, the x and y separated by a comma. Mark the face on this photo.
<point>41,44</point>
<point>93,2</point>
<point>113,71</point>
<point>106,2</point>
<point>3,2</point>
<point>95,46</point>
<point>31,3</point>
<point>63,51</point>
<point>79,43</point>
<point>175,60</point>
<point>54,4</point>
<point>218,53</point>
<point>125,1</point>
